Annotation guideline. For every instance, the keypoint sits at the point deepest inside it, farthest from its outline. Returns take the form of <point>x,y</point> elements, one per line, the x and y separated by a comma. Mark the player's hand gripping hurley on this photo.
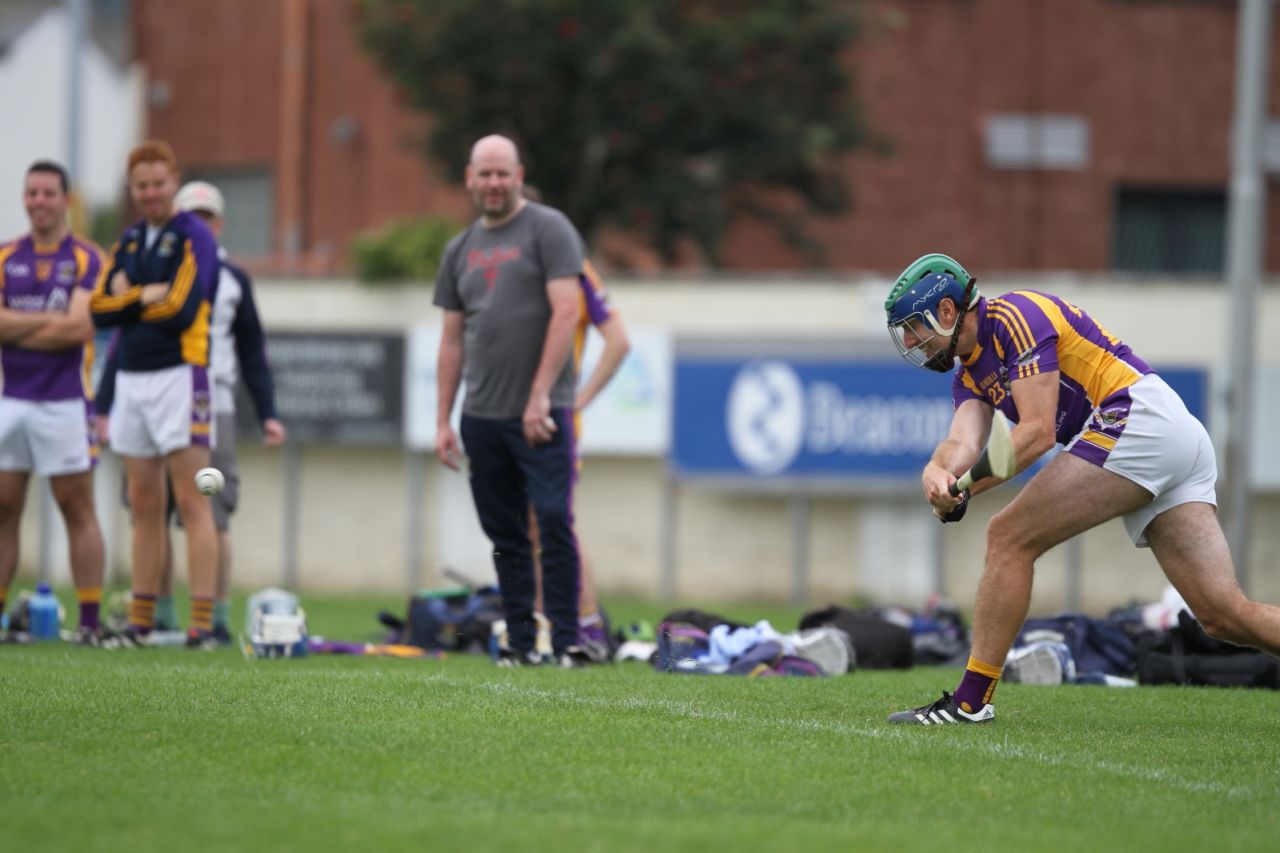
<point>998,458</point>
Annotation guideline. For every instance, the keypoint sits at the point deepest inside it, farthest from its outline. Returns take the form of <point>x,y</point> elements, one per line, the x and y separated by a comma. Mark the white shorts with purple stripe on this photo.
<point>159,411</point>
<point>46,437</point>
<point>1146,435</point>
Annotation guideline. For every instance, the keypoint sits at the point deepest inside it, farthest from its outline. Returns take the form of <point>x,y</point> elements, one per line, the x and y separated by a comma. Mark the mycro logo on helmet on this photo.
<point>939,286</point>
<point>765,416</point>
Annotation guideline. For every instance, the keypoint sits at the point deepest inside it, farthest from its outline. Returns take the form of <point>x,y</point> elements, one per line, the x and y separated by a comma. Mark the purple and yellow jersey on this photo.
<point>36,278</point>
<point>1025,333</point>
<point>593,310</point>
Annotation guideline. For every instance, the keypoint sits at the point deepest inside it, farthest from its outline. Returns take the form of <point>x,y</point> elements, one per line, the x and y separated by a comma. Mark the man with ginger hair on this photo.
<point>158,291</point>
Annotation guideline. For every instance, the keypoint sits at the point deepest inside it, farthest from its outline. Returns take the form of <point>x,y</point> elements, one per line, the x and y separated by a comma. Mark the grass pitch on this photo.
<point>165,749</point>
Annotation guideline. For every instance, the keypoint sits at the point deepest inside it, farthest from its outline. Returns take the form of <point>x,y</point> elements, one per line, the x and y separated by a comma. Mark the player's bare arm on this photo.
<point>63,330</point>
<point>562,293</point>
<point>616,346</point>
<point>14,325</point>
<point>956,453</point>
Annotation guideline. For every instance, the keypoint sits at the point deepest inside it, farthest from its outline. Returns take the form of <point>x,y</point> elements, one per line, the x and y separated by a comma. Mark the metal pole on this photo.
<point>799,505</point>
<point>1244,267</point>
<point>292,495</point>
<point>667,571</point>
<point>77,12</point>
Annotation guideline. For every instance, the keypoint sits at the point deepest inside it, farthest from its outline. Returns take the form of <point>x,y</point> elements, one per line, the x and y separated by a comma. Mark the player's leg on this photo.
<point>62,447</point>
<point>147,498</point>
<point>73,493</point>
<point>1068,497</point>
<point>591,625</point>
<point>13,497</point>
<point>181,419</point>
<point>166,611</point>
<point>498,490</point>
<point>16,465</point>
<point>202,538</point>
<point>132,439</point>
<point>548,471</point>
<point>1188,542</point>
<point>535,545</point>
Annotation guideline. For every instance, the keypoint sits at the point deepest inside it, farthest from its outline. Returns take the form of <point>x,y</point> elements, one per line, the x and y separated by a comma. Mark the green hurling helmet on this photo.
<point>912,308</point>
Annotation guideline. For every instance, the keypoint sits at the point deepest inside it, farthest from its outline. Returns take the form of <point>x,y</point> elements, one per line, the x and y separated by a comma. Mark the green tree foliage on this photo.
<point>408,250</point>
<point>664,117</point>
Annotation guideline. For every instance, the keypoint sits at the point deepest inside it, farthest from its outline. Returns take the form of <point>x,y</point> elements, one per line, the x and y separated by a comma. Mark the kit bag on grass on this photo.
<point>877,642</point>
<point>1185,654</point>
<point>453,619</point>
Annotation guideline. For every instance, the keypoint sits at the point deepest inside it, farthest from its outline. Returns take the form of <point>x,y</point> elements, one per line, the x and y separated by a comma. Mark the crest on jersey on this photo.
<point>65,272</point>
<point>44,269</point>
<point>166,244</point>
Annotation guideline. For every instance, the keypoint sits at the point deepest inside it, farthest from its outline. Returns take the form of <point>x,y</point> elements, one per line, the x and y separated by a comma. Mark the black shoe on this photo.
<point>222,634</point>
<point>508,659</point>
<point>942,712</point>
<point>132,637</point>
<point>577,657</point>
<point>15,636</point>
<point>101,637</point>
<point>203,640</point>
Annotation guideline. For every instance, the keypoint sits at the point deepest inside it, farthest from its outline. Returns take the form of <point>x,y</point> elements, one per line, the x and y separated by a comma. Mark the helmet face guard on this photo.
<point>911,309</point>
<point>912,335</point>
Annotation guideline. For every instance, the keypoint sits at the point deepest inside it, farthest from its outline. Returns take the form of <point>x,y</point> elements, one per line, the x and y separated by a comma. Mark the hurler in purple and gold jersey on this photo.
<point>37,278</point>
<point>1132,451</point>
<point>1025,333</point>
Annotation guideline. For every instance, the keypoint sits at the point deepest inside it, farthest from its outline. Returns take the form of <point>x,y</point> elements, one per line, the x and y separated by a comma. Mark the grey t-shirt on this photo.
<point>498,279</point>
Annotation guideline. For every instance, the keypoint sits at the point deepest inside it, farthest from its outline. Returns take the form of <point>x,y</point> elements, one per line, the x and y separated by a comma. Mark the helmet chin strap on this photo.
<point>938,362</point>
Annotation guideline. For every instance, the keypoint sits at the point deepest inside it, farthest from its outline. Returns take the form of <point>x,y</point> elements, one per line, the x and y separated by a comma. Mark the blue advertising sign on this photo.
<point>797,417</point>
<point>832,418</point>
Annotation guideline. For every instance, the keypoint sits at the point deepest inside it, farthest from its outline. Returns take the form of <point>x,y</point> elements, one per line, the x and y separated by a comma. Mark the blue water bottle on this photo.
<point>43,610</point>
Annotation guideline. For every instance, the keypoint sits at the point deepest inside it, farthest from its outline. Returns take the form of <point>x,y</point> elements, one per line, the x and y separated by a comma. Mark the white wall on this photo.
<point>34,76</point>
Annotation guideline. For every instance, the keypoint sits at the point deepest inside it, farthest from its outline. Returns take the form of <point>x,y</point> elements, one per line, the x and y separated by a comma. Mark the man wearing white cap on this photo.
<point>237,348</point>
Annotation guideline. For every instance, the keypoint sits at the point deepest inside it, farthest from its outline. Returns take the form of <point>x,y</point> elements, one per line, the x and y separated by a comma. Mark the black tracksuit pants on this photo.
<point>507,475</point>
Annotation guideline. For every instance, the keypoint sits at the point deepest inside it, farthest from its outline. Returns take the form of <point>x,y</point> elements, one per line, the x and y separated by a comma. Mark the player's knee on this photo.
<point>1223,623</point>
<point>1009,536</point>
<point>144,501</point>
<point>76,507</point>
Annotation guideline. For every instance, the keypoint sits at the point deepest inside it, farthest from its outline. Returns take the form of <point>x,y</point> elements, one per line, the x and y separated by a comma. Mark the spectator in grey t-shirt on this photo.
<point>509,288</point>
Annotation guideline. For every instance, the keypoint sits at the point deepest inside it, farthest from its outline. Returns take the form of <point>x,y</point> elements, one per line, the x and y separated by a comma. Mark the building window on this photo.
<point>1170,231</point>
<point>248,226</point>
<point>1025,141</point>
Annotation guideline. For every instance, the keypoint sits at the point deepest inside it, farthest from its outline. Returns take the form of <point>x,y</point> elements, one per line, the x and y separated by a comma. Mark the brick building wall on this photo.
<point>1153,80</point>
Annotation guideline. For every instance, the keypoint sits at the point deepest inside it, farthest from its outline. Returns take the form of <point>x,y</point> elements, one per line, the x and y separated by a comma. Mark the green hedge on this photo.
<point>407,250</point>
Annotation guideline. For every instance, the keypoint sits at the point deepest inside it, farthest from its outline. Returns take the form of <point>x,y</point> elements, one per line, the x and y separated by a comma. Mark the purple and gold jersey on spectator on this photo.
<point>36,278</point>
<point>1026,333</point>
<point>593,308</point>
